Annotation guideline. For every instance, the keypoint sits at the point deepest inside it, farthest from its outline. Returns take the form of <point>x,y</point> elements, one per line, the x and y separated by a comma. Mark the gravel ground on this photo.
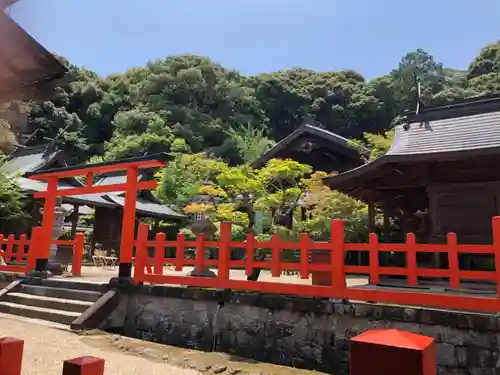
<point>46,348</point>
<point>102,275</point>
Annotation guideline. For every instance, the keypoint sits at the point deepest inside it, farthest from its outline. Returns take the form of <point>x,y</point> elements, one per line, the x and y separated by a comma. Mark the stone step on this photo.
<point>70,294</point>
<point>42,313</point>
<point>48,302</point>
<point>67,284</point>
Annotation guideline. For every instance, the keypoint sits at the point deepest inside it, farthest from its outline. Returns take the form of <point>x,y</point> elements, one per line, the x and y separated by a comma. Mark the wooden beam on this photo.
<point>142,185</point>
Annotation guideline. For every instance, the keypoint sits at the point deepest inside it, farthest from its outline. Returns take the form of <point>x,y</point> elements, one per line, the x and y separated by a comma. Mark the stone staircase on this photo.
<point>50,300</point>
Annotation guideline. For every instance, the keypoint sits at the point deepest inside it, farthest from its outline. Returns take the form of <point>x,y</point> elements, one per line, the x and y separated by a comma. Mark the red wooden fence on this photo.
<point>336,267</point>
<point>21,252</point>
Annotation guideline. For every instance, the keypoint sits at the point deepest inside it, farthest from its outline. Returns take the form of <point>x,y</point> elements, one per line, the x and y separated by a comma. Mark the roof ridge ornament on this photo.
<point>419,100</point>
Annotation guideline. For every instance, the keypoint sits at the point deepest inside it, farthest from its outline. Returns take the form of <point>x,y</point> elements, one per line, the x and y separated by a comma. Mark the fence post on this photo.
<point>276,256</point>
<point>179,252</point>
<point>21,246</point>
<point>392,352</point>
<point>78,244</point>
<point>411,259</point>
<point>224,250</point>
<point>337,258</point>
<point>304,256</point>
<point>32,249</point>
<point>159,253</point>
<point>11,356</point>
<point>199,264</point>
<point>141,252</point>
<point>9,248</point>
<point>83,366</point>
<point>496,249</point>
<point>249,253</point>
<point>453,265</point>
<point>374,263</point>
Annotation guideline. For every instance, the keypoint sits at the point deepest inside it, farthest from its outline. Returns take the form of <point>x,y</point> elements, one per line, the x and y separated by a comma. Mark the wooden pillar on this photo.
<point>49,206</point>
<point>371,213</point>
<point>128,225</point>
<point>387,224</point>
<point>74,220</point>
<point>303,213</point>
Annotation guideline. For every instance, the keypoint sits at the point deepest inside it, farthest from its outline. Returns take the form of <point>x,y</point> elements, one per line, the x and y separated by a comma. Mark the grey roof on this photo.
<point>113,179</point>
<point>342,144</point>
<point>34,159</point>
<point>448,135</point>
<point>148,208</point>
<point>29,160</point>
<point>475,129</point>
<point>29,185</point>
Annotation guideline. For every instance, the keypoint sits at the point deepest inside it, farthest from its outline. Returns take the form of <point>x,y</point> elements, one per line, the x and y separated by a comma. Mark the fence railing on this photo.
<point>334,266</point>
<point>20,253</point>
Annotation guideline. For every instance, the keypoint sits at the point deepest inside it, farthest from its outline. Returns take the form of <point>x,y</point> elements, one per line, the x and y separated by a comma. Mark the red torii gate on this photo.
<point>130,187</point>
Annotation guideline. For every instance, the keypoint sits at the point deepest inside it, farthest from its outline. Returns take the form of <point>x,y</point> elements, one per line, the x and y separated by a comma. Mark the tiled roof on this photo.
<point>23,62</point>
<point>149,208</point>
<point>448,135</point>
<point>29,160</point>
<point>456,130</point>
<point>29,185</point>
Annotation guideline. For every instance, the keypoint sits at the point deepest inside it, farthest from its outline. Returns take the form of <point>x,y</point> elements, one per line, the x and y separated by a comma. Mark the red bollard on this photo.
<point>392,352</point>
<point>84,366</point>
<point>11,356</point>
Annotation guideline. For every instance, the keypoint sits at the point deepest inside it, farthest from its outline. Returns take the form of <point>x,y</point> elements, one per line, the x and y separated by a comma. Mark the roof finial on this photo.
<point>308,119</point>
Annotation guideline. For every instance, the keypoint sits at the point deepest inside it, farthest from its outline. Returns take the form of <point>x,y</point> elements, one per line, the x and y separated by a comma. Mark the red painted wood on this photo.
<point>453,264</point>
<point>159,253</point>
<point>11,356</point>
<point>392,352</point>
<point>224,250</point>
<point>78,245</point>
<point>374,264</point>
<point>84,366</point>
<point>334,286</point>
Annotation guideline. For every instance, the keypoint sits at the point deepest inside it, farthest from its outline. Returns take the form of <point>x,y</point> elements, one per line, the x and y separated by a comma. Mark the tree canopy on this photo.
<point>216,121</point>
<point>216,110</point>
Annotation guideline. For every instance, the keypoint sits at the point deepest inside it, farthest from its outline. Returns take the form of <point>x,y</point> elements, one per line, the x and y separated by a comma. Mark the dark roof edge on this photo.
<point>458,108</point>
<point>303,129</point>
<point>162,156</point>
<point>388,159</point>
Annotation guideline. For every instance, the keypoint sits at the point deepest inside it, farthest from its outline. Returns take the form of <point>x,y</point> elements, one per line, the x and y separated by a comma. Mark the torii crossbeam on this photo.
<point>131,186</point>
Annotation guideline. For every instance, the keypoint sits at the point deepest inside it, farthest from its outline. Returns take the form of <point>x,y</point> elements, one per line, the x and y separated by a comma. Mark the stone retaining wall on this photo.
<point>295,331</point>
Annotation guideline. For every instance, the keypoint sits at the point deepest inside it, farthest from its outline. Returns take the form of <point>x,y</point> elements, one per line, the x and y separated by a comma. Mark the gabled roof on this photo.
<point>25,66</point>
<point>338,143</point>
<point>470,127</point>
<point>31,159</point>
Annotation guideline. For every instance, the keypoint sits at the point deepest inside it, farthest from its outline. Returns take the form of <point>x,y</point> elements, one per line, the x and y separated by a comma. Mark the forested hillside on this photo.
<point>215,120</point>
<point>192,103</point>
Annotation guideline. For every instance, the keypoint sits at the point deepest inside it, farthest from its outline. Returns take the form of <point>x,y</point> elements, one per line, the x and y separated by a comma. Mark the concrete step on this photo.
<point>42,313</point>
<point>48,302</point>
<point>69,294</point>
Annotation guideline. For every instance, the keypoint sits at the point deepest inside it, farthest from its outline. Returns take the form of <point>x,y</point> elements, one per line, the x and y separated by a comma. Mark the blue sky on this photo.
<point>254,36</point>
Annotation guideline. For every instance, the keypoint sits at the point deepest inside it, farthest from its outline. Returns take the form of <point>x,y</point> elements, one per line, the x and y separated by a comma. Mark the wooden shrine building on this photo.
<point>323,150</point>
<point>440,175</point>
<point>27,70</point>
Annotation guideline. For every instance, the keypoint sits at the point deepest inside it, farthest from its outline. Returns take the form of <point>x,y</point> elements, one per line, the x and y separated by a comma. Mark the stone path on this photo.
<point>46,348</point>
<point>102,275</point>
